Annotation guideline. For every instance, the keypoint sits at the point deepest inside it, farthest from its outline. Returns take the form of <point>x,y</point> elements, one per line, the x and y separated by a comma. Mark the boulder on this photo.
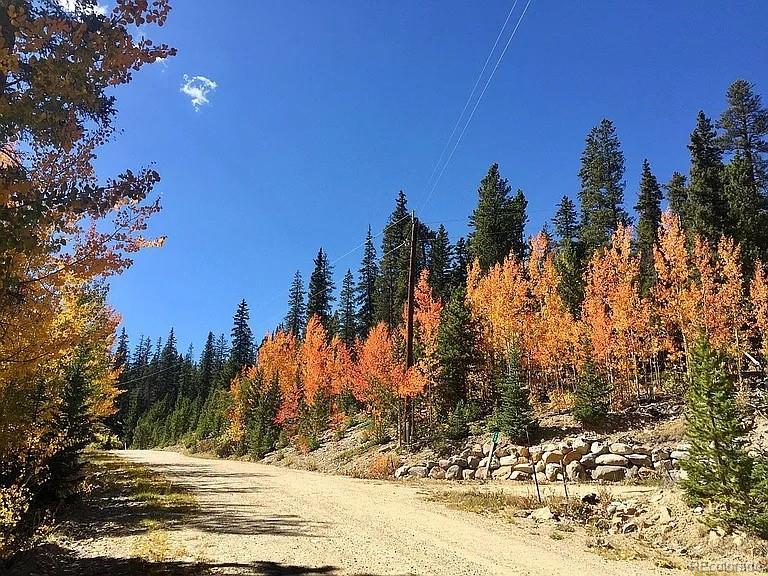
<point>640,449</point>
<point>575,472</point>
<point>467,474</point>
<point>678,455</point>
<point>552,457</point>
<point>508,460</point>
<point>524,452</point>
<point>525,468</point>
<point>663,465</point>
<point>598,448</point>
<point>444,463</point>
<point>431,464</point>
<point>553,471</point>
<point>418,471</point>
<point>642,460</point>
<point>609,473</point>
<point>542,514</point>
<point>535,454</point>
<point>518,475</point>
<point>453,472</point>
<point>580,446</point>
<point>402,471</point>
<point>588,461</point>
<point>571,456</point>
<point>502,473</point>
<point>494,463</point>
<point>659,454</point>
<point>459,461</point>
<point>550,447</point>
<point>620,448</point>
<point>437,473</point>
<point>487,448</point>
<point>540,466</point>
<point>502,452</point>
<point>473,461</point>
<point>477,450</point>
<point>481,474</point>
<point>611,460</point>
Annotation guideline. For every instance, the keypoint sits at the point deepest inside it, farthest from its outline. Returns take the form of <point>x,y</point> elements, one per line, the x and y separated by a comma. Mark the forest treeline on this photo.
<point>63,233</point>
<point>596,311</point>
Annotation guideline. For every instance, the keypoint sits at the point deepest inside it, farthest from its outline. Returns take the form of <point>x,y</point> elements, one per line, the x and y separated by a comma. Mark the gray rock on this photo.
<point>508,460</point>
<point>502,452</point>
<point>494,463</point>
<point>588,461</point>
<point>402,471</point>
<point>543,514</point>
<point>580,446</point>
<point>598,448</point>
<point>444,463</point>
<point>575,472</point>
<point>611,460</point>
<point>525,468</point>
<point>553,471</point>
<point>540,466</point>
<point>418,471</point>
<point>467,474</point>
<point>660,454</point>
<point>620,448</point>
<point>481,474</point>
<point>663,465</point>
<point>518,475</point>
<point>572,456</point>
<point>437,473</point>
<point>453,472</point>
<point>473,461</point>
<point>502,472</point>
<point>640,449</point>
<point>459,461</point>
<point>640,460</point>
<point>609,473</point>
<point>678,455</point>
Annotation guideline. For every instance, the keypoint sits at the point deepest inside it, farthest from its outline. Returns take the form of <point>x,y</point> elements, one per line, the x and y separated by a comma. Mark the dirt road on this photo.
<point>252,514</point>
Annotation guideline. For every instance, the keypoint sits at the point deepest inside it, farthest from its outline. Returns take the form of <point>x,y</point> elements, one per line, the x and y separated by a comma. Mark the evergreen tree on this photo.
<point>243,352</point>
<point>261,432</point>
<point>514,416</point>
<point>460,264</point>
<point>121,351</point>
<point>593,397</point>
<point>366,287</point>
<point>167,375</point>
<point>346,324</point>
<point>320,293</point>
<point>677,196</point>
<point>393,267</point>
<point>208,366</point>
<point>566,221</point>
<point>498,221</point>
<point>602,188</point>
<point>457,349</point>
<point>707,209</point>
<point>747,212</point>
<point>649,219</point>
<point>571,286</point>
<point>296,319</point>
<point>745,132</point>
<point>718,468</point>
<point>440,264</point>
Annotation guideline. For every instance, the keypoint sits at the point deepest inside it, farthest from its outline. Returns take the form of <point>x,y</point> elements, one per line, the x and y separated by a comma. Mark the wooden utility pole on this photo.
<point>407,434</point>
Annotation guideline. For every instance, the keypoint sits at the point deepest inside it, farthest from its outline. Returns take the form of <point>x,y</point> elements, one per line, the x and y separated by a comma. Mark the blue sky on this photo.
<point>322,111</point>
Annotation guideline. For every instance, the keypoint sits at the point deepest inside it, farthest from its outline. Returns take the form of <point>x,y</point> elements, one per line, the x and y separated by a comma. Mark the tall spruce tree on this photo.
<point>440,257</point>
<point>677,197</point>
<point>207,366</point>
<point>296,318</point>
<point>243,351</point>
<point>567,260</point>
<point>346,315</point>
<point>393,266</point>
<point>498,221</point>
<point>707,207</point>
<point>566,221</point>
<point>460,264</point>
<point>121,351</point>
<point>457,350</point>
<point>648,221</point>
<point>320,293</point>
<point>602,188</point>
<point>745,131</point>
<point>367,276</point>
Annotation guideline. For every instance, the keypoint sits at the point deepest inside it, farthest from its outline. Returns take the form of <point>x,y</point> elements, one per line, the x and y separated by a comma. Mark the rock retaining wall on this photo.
<point>579,459</point>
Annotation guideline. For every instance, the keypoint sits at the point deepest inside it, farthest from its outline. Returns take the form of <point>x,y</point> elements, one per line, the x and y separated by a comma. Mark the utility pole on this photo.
<point>408,404</point>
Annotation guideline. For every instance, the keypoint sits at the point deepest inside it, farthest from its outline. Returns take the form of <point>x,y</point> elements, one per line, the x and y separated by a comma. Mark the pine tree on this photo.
<point>707,207</point>
<point>440,264</point>
<point>569,268</point>
<point>747,211</point>
<point>296,319</point>
<point>649,219</point>
<point>498,221</point>
<point>745,131</point>
<point>393,267</point>
<point>593,393</point>
<point>366,287</point>
<point>167,375</point>
<point>514,416</point>
<point>320,292</point>
<point>677,196</point>
<point>121,351</point>
<point>457,349</point>
<point>207,366</point>
<point>718,467</point>
<point>566,221</point>
<point>460,264</point>
<point>602,188</point>
<point>243,352</point>
<point>346,316</point>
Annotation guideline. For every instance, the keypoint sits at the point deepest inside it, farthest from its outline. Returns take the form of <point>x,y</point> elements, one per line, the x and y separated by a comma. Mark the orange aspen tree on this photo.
<point>314,358</point>
<point>278,361</point>
<point>731,300</point>
<point>238,390</point>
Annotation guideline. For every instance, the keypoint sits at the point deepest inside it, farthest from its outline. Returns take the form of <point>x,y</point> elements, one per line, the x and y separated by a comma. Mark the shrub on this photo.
<point>457,427</point>
<point>514,416</point>
<point>593,397</point>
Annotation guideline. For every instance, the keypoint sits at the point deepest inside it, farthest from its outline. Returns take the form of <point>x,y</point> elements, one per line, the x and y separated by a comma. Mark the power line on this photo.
<point>146,376</point>
<point>477,103</point>
<point>471,94</point>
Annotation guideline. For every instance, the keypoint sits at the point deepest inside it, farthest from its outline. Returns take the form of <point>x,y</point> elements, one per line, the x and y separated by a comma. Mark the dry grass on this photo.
<point>499,501</point>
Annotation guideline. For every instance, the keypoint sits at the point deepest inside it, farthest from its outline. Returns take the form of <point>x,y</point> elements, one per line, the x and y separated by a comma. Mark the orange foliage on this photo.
<point>758,292</point>
<point>315,361</point>
<point>278,361</point>
<point>379,373</point>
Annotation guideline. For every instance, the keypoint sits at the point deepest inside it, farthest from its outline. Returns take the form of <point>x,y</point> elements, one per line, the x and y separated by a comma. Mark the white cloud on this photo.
<point>198,88</point>
<point>96,8</point>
